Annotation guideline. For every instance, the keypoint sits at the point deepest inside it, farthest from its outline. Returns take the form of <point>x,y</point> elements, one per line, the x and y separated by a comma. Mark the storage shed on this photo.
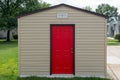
<point>62,40</point>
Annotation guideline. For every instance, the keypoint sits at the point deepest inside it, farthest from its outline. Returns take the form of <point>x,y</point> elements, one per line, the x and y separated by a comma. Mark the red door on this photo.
<point>62,49</point>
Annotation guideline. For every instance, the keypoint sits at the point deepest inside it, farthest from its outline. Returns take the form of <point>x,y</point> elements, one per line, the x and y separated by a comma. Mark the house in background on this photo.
<point>3,33</point>
<point>113,27</point>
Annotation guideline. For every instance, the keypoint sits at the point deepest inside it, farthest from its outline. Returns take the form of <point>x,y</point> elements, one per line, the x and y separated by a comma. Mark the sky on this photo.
<point>82,3</point>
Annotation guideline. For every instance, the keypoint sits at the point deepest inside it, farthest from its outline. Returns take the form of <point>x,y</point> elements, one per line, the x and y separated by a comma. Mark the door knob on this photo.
<point>71,50</point>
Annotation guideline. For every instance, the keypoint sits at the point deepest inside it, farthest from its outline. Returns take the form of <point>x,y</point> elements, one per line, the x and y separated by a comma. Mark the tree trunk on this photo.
<point>8,35</point>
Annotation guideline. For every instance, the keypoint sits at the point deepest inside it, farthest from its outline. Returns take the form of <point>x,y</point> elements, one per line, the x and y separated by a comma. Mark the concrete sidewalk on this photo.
<point>113,62</point>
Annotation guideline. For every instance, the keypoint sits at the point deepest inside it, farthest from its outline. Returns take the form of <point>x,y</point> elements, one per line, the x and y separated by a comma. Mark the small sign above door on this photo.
<point>62,15</point>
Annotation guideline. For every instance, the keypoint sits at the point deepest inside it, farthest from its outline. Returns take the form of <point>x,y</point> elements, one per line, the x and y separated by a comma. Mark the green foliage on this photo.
<point>87,8</point>
<point>32,5</point>
<point>44,4</point>
<point>8,23</point>
<point>15,36</point>
<point>117,36</point>
<point>107,10</point>
<point>9,9</point>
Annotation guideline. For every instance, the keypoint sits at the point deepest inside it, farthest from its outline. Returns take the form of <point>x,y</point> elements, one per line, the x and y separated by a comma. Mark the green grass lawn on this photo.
<point>113,42</point>
<point>9,67</point>
<point>8,60</point>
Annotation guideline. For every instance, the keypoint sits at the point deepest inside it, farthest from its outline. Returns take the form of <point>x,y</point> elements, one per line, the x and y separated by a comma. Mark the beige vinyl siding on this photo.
<point>35,48</point>
<point>105,47</point>
<point>34,42</point>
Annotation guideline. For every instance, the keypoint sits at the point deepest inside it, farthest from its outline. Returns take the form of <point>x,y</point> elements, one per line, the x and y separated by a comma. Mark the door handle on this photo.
<point>71,50</point>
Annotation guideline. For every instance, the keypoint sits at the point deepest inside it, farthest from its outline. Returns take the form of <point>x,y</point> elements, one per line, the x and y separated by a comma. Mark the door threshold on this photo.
<point>62,75</point>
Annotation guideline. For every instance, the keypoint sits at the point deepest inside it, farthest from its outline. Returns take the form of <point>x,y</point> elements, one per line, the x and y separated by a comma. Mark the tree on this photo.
<point>87,8</point>
<point>31,5</point>
<point>107,10</point>
<point>119,17</point>
<point>10,8</point>
<point>44,4</point>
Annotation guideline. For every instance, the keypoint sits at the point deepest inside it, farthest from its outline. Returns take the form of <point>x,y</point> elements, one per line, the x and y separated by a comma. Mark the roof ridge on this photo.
<point>62,4</point>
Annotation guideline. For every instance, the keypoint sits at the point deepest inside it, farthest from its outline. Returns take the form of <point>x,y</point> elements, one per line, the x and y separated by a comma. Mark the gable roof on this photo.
<point>52,7</point>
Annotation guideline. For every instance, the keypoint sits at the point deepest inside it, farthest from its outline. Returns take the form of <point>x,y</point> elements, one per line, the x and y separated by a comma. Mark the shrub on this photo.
<point>117,36</point>
<point>15,36</point>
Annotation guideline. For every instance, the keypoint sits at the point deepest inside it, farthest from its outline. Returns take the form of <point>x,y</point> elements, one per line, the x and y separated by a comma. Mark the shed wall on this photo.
<point>34,42</point>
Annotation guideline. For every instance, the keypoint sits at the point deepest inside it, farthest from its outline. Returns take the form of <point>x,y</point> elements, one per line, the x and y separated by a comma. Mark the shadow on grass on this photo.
<point>6,45</point>
<point>8,77</point>
<point>75,78</point>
